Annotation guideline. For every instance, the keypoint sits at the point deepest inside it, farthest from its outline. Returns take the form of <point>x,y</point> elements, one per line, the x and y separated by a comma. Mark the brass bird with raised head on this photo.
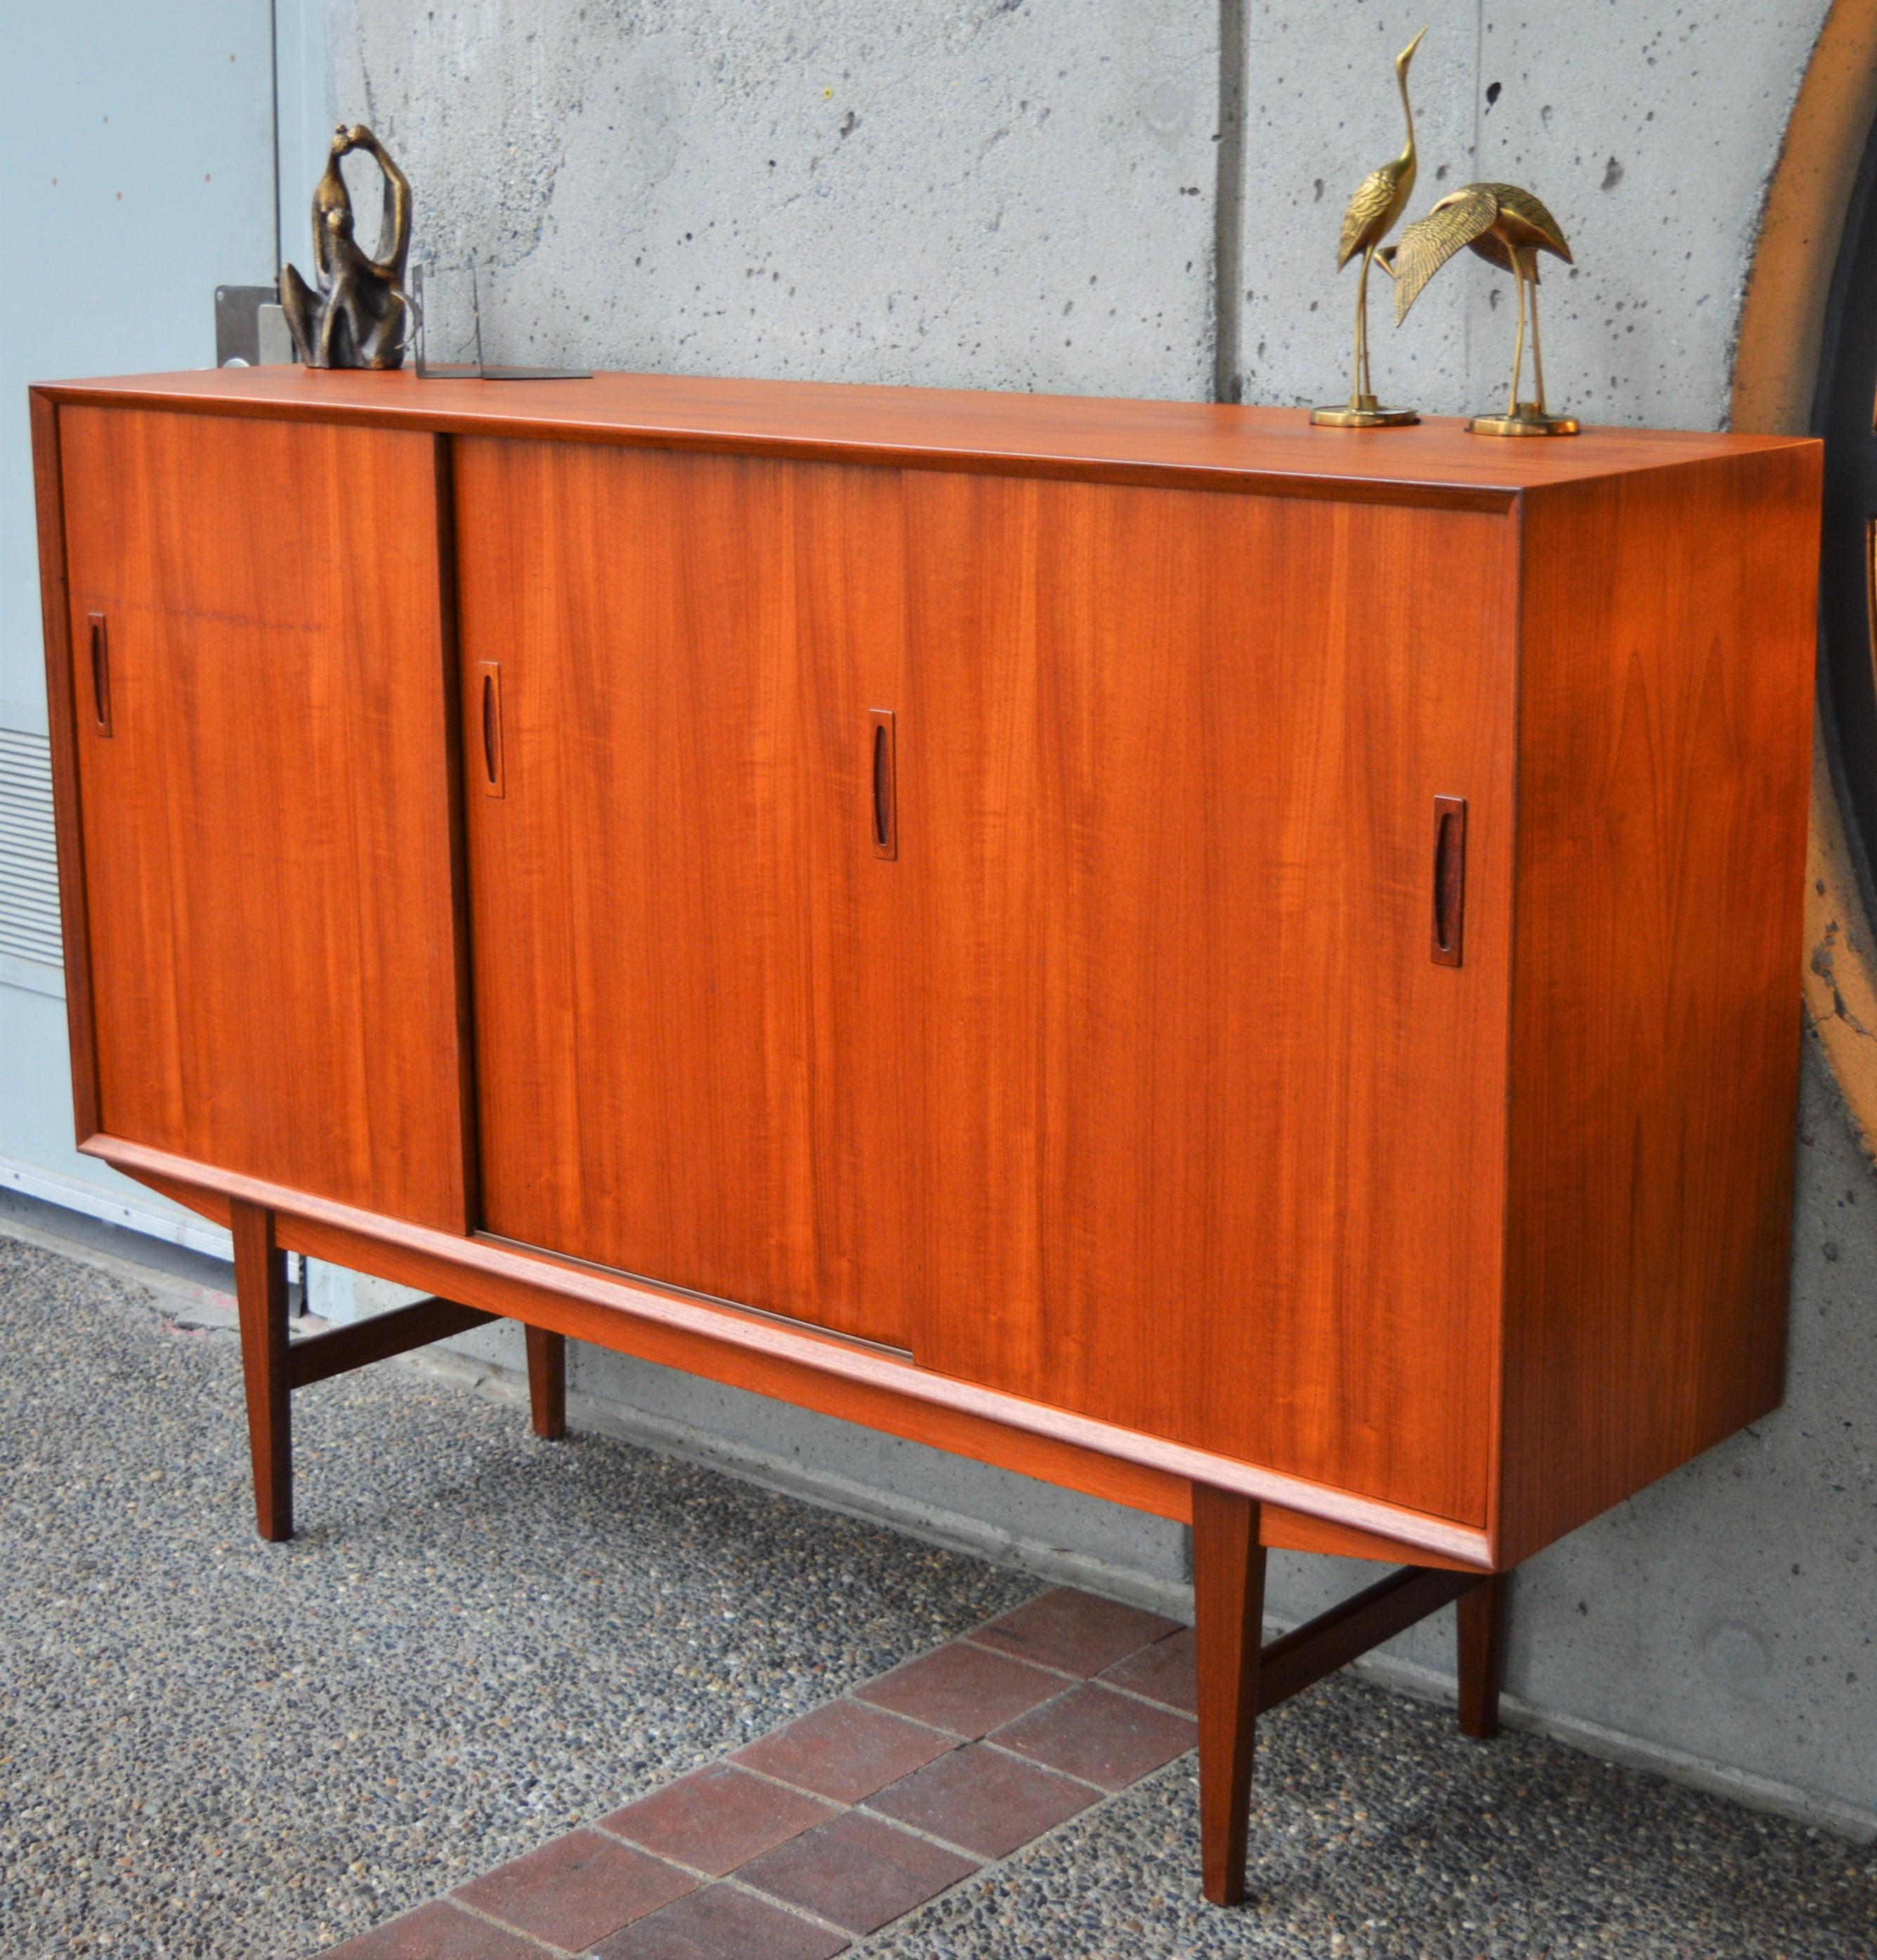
<point>1508,227</point>
<point>1380,199</point>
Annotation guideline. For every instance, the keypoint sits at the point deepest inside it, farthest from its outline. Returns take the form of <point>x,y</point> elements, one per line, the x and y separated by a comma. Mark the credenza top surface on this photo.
<point>1202,445</point>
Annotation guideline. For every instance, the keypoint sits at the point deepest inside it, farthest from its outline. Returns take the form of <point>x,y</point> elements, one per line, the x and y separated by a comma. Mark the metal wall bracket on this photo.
<point>250,328</point>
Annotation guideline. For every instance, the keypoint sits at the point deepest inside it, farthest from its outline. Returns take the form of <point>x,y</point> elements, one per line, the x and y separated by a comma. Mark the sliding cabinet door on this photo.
<point>685,939</point>
<point>264,731</point>
<point>1214,1144</point>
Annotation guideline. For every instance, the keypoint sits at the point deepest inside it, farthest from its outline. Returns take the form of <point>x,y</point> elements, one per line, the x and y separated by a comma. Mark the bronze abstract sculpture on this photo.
<point>359,314</point>
<point>1508,227</point>
<point>1380,199</point>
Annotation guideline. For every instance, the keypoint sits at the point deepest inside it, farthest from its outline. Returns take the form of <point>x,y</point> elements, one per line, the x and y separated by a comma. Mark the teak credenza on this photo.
<point>1247,970</point>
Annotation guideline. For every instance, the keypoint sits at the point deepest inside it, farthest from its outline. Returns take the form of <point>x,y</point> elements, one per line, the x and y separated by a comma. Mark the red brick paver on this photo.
<point>576,1889</point>
<point>719,1922</point>
<point>1074,1631</point>
<point>438,1932</point>
<point>966,1689</point>
<point>939,1800</point>
<point>1166,1672</point>
<point>1102,1737</point>
<point>717,1818</point>
<point>857,1871</point>
<point>984,1800</point>
<point>845,1751</point>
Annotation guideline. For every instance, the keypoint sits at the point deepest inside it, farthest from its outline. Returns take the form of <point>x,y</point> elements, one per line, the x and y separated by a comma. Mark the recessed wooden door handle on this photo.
<point>883,773</point>
<point>1450,879</point>
<point>489,720</point>
<point>101,673</point>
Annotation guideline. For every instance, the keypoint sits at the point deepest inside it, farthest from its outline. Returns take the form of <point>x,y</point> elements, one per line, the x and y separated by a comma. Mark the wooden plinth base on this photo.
<point>1238,1680</point>
<point>271,1368</point>
<point>1239,1677</point>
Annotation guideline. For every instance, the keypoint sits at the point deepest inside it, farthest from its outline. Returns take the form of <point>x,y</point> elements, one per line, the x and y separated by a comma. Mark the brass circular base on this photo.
<point>1531,420</point>
<point>1368,416</point>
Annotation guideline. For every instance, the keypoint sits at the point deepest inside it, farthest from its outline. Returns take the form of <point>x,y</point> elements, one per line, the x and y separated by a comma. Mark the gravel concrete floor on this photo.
<point>209,1747</point>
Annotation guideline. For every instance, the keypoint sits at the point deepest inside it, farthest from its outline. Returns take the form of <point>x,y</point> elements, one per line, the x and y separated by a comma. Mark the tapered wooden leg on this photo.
<point>1482,1615</point>
<point>547,1381</point>
<point>260,1287</point>
<point>1228,1610</point>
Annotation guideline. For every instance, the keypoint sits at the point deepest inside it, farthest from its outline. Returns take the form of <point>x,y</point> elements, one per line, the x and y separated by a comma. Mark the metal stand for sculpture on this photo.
<point>359,314</point>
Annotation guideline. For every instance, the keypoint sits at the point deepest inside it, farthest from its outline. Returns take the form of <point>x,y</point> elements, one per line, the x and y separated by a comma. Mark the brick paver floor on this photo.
<point>846,1818</point>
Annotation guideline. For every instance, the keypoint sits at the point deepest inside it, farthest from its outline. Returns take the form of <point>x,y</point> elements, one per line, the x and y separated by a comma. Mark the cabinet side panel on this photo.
<point>1214,1145</point>
<point>1665,750</point>
<point>266,816</point>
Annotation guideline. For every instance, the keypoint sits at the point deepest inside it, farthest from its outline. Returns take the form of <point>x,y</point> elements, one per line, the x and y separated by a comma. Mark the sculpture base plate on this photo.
<point>1531,420</point>
<point>1365,414</point>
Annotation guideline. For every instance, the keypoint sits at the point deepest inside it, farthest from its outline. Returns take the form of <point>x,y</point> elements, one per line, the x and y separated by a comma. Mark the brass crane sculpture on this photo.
<point>1380,199</point>
<point>1508,227</point>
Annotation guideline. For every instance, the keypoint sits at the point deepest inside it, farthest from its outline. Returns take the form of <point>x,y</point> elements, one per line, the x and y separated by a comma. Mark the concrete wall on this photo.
<point>1000,194</point>
<point>988,193</point>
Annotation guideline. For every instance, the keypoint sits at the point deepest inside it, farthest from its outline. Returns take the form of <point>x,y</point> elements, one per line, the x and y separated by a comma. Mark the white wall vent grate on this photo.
<point>29,864</point>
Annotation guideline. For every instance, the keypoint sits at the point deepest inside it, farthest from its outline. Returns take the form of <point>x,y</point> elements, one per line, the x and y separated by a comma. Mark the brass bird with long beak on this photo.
<point>1380,199</point>
<point>1508,227</point>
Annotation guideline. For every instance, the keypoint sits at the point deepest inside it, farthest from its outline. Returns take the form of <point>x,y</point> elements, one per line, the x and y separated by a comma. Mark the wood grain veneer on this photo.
<point>1244,970</point>
<point>1282,1528</point>
<point>260,1275</point>
<point>1209,1144</point>
<point>1664,731</point>
<point>855,1381</point>
<point>266,846</point>
<point>1228,1564</point>
<point>1128,1087</point>
<point>686,949</point>
<point>1201,445</point>
<point>1481,1617</point>
<point>62,728</point>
